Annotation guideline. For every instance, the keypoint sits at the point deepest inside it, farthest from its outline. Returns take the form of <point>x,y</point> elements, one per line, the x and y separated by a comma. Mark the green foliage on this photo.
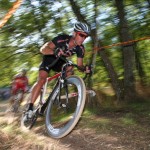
<point>35,23</point>
<point>5,5</point>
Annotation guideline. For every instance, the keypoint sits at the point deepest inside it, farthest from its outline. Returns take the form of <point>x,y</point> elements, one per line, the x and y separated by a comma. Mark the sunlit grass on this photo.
<point>127,120</point>
<point>14,130</point>
<point>87,112</point>
<point>92,121</point>
<point>8,129</point>
<point>62,118</point>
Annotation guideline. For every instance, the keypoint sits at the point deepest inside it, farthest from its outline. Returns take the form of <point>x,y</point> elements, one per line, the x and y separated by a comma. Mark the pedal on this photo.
<point>91,92</point>
<point>64,105</point>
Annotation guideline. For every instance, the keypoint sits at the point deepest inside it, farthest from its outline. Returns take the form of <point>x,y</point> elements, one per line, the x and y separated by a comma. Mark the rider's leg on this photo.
<point>37,87</point>
<point>11,100</point>
<point>22,96</point>
<point>22,88</point>
<point>70,71</point>
<point>57,67</point>
<point>13,93</point>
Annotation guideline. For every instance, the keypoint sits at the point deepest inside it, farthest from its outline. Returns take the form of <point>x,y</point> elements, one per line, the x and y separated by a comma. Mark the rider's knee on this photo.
<point>70,71</point>
<point>41,81</point>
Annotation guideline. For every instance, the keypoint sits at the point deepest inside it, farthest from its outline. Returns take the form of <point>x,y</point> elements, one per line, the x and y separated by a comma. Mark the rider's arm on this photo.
<point>13,80</point>
<point>84,68</point>
<point>12,84</point>
<point>48,48</point>
<point>80,63</point>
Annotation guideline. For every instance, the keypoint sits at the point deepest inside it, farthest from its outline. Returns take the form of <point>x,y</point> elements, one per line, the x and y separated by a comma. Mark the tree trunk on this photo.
<point>140,69</point>
<point>95,40</point>
<point>113,75</point>
<point>128,53</point>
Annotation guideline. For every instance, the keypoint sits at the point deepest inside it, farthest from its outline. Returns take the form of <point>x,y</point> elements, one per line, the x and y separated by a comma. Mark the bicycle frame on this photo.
<point>62,75</point>
<point>49,79</point>
<point>63,83</point>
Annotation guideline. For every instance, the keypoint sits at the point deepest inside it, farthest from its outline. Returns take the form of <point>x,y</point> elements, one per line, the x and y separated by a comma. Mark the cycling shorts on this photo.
<point>47,60</point>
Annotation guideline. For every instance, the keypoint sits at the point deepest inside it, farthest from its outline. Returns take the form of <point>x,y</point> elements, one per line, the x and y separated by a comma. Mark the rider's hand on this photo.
<point>68,53</point>
<point>59,52</point>
<point>88,69</point>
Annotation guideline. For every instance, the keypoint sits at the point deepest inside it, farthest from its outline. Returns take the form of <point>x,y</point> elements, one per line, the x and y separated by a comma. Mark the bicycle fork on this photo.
<point>59,97</point>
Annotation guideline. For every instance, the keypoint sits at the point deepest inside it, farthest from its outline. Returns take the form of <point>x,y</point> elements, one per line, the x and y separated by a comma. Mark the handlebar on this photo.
<point>68,62</point>
<point>71,63</point>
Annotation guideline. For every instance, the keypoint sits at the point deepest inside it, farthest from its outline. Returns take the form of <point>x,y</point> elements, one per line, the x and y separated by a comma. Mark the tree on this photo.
<point>37,22</point>
<point>128,53</point>
<point>96,43</point>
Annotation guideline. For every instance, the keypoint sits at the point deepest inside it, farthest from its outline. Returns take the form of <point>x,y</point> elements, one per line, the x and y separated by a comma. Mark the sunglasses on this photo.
<point>82,35</point>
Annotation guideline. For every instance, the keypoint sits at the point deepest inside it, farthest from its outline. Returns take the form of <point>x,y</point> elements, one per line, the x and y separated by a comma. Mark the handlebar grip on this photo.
<point>80,68</point>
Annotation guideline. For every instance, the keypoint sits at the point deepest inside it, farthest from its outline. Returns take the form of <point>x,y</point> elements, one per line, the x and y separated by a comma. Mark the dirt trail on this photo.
<point>83,137</point>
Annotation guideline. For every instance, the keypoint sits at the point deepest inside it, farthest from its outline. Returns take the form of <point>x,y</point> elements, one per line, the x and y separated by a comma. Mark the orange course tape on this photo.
<point>121,43</point>
<point>16,5</point>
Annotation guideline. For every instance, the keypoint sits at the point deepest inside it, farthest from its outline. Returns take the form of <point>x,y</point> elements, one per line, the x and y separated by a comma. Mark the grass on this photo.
<point>107,118</point>
<point>128,122</point>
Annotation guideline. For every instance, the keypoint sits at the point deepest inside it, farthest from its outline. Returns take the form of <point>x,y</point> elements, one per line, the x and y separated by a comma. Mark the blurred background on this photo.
<point>118,70</point>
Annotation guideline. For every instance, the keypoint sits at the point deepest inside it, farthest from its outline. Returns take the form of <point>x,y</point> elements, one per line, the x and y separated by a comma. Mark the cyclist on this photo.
<point>20,82</point>
<point>65,45</point>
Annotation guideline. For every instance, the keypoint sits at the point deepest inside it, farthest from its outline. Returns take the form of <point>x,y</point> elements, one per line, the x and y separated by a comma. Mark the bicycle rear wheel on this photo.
<point>63,115</point>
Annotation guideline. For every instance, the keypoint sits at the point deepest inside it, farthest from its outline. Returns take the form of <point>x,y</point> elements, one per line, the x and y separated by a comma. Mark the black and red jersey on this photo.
<point>61,41</point>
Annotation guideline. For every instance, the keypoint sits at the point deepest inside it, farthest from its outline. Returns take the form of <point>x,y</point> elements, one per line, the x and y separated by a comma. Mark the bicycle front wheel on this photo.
<point>65,107</point>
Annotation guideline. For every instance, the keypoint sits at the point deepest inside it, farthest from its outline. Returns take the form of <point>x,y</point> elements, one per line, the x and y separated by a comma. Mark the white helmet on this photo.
<point>24,71</point>
<point>82,27</point>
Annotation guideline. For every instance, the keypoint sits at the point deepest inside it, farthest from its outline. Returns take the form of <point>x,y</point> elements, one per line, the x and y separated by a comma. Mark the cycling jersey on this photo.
<point>61,41</point>
<point>19,83</point>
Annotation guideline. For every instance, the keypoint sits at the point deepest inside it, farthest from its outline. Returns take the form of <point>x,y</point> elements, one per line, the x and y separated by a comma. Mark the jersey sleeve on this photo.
<point>80,51</point>
<point>55,40</point>
<point>60,40</point>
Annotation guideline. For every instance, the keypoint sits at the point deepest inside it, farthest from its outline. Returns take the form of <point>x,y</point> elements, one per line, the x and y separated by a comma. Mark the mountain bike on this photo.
<point>65,103</point>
